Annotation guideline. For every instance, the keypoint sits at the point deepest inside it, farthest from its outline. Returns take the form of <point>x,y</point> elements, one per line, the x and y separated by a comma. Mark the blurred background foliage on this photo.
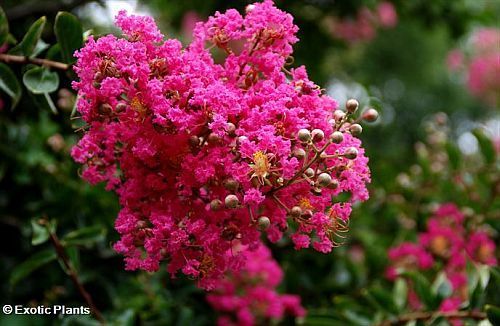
<point>401,71</point>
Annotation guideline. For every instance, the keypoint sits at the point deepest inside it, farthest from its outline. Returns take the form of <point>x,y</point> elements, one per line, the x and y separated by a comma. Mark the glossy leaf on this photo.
<point>493,314</point>
<point>69,33</point>
<point>4,27</point>
<point>30,39</point>
<point>486,146</point>
<point>31,264</point>
<point>41,80</point>
<point>40,234</point>
<point>84,236</point>
<point>423,289</point>
<point>9,84</point>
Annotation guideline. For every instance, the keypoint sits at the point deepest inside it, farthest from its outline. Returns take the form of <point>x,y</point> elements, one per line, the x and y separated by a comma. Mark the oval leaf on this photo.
<point>30,39</point>
<point>486,146</point>
<point>40,80</point>
<point>27,267</point>
<point>84,236</point>
<point>69,33</point>
<point>9,84</point>
<point>4,27</point>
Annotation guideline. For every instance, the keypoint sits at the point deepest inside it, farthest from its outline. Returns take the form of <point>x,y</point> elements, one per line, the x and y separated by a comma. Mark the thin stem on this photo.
<point>61,253</point>
<point>37,61</point>
<point>425,315</point>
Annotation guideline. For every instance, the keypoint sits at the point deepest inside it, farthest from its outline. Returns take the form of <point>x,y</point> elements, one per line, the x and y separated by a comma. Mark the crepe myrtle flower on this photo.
<point>203,153</point>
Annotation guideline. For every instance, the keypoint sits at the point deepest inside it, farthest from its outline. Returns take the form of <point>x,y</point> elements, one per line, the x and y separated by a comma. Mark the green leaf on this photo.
<point>453,155</point>
<point>31,264</point>
<point>40,234</point>
<point>30,39</point>
<point>486,146</point>
<point>400,293</point>
<point>381,300</point>
<point>4,27</point>
<point>493,314</point>
<point>41,80</point>
<point>84,236</point>
<point>44,102</point>
<point>69,33</point>
<point>9,84</point>
<point>442,286</point>
<point>423,289</point>
<point>39,48</point>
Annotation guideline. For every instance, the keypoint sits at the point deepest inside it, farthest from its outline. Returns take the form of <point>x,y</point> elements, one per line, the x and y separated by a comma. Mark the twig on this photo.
<point>424,315</point>
<point>41,62</point>
<point>73,273</point>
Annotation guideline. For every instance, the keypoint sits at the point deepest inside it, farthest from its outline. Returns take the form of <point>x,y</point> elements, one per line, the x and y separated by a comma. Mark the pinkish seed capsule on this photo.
<point>309,172</point>
<point>299,153</point>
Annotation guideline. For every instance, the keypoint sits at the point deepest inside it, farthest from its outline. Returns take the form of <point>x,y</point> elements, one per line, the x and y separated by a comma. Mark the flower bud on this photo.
<point>317,135</point>
<point>249,8</point>
<point>304,135</point>
<point>231,128</point>
<point>324,179</point>
<point>231,201</point>
<point>316,191</point>
<point>338,115</point>
<point>215,204</point>
<point>213,138</point>
<point>263,223</point>
<point>333,185</point>
<point>356,129</point>
<point>120,107</point>
<point>299,153</point>
<point>337,137</point>
<point>309,172</point>
<point>351,105</point>
<point>351,153</point>
<point>296,211</point>
<point>370,115</point>
<point>194,141</point>
<point>307,214</point>
<point>231,184</point>
<point>104,109</point>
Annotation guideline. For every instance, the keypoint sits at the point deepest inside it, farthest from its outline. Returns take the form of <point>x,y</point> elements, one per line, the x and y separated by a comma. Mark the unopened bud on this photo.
<point>231,128</point>
<point>356,129</point>
<point>231,201</point>
<point>104,109</point>
<point>351,105</point>
<point>370,115</point>
<point>309,172</point>
<point>194,141</point>
<point>213,138</point>
<point>307,214</point>
<point>296,211</point>
<point>317,135</point>
<point>337,137</point>
<point>231,184</point>
<point>304,135</point>
<point>215,204</point>
<point>316,191</point>
<point>324,179</point>
<point>351,153</point>
<point>333,185</point>
<point>249,8</point>
<point>263,223</point>
<point>120,107</point>
<point>338,115</point>
<point>299,153</point>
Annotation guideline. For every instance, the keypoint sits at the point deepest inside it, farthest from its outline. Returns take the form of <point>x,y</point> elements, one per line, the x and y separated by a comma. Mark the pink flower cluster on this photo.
<point>481,63</point>
<point>249,297</point>
<point>447,241</point>
<point>203,154</point>
<point>363,27</point>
